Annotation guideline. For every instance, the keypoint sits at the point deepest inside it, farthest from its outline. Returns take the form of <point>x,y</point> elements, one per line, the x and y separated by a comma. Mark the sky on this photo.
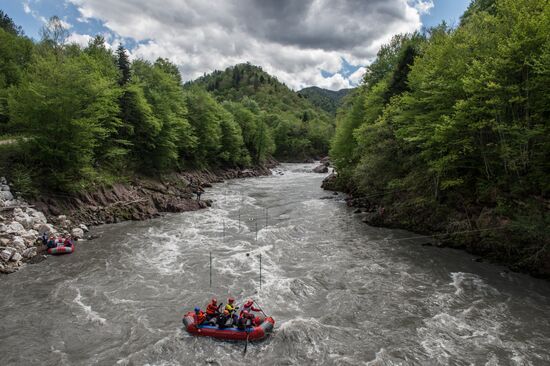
<point>325,43</point>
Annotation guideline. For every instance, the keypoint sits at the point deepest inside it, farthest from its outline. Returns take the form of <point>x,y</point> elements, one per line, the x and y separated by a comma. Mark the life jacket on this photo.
<point>230,308</point>
<point>211,309</point>
<point>200,317</point>
<point>249,306</point>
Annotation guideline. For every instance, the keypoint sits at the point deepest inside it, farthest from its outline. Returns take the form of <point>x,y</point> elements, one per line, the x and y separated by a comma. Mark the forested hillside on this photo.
<point>450,132</point>
<point>328,100</point>
<point>74,117</point>
<point>299,129</point>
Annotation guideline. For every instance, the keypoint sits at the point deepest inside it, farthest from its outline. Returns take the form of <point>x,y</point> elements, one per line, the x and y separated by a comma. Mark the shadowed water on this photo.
<point>341,292</point>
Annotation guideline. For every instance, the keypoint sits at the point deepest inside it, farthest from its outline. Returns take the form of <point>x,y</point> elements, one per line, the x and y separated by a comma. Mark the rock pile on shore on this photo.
<point>21,226</point>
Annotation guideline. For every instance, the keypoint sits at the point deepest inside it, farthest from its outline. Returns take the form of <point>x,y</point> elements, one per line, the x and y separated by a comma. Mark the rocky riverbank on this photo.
<point>479,230</point>
<point>22,221</point>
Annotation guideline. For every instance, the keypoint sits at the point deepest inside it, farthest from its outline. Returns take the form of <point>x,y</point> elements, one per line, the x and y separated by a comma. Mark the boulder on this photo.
<point>3,227</point>
<point>3,180</point>
<point>84,228</point>
<point>39,217</point>
<point>29,252</point>
<point>77,233</point>
<point>18,243</point>
<point>61,218</point>
<point>24,220</point>
<point>45,228</point>
<point>6,196</point>
<point>4,187</point>
<point>31,236</point>
<point>4,241</point>
<point>15,228</point>
<point>321,169</point>
<point>16,257</point>
<point>6,254</point>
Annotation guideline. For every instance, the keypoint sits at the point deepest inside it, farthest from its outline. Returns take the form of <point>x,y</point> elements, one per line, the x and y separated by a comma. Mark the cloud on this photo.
<point>423,6</point>
<point>80,39</point>
<point>293,40</point>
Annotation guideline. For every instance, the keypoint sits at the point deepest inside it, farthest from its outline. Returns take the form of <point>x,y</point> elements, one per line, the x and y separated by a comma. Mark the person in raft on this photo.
<point>200,317</point>
<point>68,242</point>
<point>51,242</point>
<point>212,309</point>
<point>249,306</point>
<point>245,320</point>
<point>230,306</point>
<point>224,320</point>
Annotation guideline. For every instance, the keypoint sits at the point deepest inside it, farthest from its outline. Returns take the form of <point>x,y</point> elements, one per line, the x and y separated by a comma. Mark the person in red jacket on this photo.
<point>212,309</point>
<point>200,316</point>
<point>249,306</point>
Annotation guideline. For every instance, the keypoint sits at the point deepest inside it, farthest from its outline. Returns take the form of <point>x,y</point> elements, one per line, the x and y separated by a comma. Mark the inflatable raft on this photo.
<point>235,334</point>
<point>61,250</point>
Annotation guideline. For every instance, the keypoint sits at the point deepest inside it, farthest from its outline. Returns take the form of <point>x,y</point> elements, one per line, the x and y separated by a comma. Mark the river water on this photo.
<point>341,292</point>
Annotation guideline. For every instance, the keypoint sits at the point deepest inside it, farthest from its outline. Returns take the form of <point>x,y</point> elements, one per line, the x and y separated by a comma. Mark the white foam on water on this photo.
<point>91,315</point>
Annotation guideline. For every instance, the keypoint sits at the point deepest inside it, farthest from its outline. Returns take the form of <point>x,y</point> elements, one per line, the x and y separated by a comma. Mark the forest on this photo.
<point>72,117</point>
<point>449,131</point>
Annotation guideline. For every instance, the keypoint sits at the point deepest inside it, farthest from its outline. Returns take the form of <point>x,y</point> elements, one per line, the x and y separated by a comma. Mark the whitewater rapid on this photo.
<point>341,292</point>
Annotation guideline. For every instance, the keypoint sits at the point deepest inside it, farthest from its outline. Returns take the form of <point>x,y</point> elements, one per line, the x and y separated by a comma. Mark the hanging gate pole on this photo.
<point>260,271</point>
<point>210,269</point>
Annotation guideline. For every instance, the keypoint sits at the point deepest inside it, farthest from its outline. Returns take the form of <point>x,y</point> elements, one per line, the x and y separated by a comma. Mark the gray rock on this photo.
<point>16,257</point>
<point>3,180</point>
<point>29,252</point>
<point>31,236</point>
<point>77,233</point>
<point>6,196</point>
<point>61,218</point>
<point>15,228</point>
<point>320,169</point>
<point>18,243</point>
<point>3,227</point>
<point>84,228</point>
<point>24,220</point>
<point>39,217</point>
<point>6,254</point>
<point>45,228</point>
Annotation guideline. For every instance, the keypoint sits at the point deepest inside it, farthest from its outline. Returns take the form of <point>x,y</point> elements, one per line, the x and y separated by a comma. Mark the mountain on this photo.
<point>328,100</point>
<point>300,129</point>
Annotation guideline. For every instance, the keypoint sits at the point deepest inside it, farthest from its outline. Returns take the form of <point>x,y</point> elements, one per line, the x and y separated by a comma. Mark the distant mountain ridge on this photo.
<point>328,100</point>
<point>300,128</point>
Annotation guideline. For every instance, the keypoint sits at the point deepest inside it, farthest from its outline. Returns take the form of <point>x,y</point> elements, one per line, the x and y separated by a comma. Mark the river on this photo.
<point>341,292</point>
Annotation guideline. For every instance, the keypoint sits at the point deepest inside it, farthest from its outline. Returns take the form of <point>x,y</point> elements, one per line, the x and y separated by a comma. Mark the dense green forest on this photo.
<point>450,131</point>
<point>328,100</point>
<point>299,129</point>
<point>73,117</point>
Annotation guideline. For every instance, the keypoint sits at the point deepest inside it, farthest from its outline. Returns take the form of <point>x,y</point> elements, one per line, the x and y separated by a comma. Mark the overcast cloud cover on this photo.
<point>293,40</point>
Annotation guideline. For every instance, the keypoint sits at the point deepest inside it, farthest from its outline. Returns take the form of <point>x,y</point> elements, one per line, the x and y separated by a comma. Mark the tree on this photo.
<point>123,63</point>
<point>8,25</point>
<point>54,32</point>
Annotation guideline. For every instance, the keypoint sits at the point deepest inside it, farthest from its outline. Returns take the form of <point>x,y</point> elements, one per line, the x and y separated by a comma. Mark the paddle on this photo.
<point>246,344</point>
<point>259,307</point>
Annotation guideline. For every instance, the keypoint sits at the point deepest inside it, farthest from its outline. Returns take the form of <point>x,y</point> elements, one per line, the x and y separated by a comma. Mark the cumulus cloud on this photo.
<point>293,40</point>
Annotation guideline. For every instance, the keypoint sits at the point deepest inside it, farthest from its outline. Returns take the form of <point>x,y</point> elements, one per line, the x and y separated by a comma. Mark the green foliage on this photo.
<point>327,100</point>
<point>457,119</point>
<point>67,106</point>
<point>302,129</point>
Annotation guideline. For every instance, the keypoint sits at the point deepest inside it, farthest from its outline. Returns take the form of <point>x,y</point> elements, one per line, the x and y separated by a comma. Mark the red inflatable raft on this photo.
<point>254,333</point>
<point>61,250</point>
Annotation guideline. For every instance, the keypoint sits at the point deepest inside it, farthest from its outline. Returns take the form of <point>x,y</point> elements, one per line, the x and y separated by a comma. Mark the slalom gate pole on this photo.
<point>210,269</point>
<point>256,224</point>
<point>260,271</point>
<point>266,217</point>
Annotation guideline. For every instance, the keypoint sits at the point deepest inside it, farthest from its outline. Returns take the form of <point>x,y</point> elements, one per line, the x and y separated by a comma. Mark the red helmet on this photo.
<point>249,302</point>
<point>231,300</point>
<point>214,301</point>
<point>245,313</point>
